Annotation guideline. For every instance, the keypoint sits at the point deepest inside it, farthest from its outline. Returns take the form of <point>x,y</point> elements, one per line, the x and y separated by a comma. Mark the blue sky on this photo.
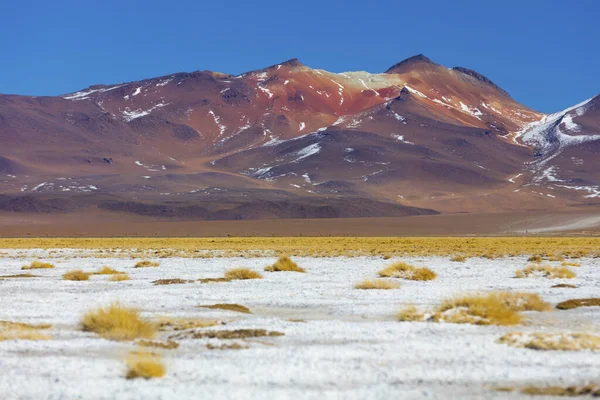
<point>545,53</point>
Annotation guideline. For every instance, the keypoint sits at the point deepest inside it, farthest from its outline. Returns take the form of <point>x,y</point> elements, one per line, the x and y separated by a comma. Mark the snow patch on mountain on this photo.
<point>400,138</point>
<point>84,94</point>
<point>307,151</point>
<point>129,115</point>
<point>218,122</point>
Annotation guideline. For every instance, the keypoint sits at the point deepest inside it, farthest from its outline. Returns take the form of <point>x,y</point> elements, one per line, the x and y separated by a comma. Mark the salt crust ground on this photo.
<point>350,346</point>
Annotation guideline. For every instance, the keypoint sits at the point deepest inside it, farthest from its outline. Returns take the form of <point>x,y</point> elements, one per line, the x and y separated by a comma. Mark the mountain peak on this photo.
<point>292,63</point>
<point>479,77</point>
<point>410,61</point>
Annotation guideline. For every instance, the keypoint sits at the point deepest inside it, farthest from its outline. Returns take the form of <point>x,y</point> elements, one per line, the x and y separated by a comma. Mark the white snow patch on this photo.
<point>512,180</point>
<point>218,122</point>
<point>415,91</point>
<point>84,95</point>
<point>163,83</point>
<point>308,151</point>
<point>400,138</point>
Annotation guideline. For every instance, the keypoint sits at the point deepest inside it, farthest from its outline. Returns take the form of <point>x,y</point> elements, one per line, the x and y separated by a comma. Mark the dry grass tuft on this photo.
<point>535,258</point>
<point>407,271</point>
<point>172,281</point>
<point>18,276</point>
<point>553,257</point>
<point>568,391</point>
<point>117,322</point>
<point>146,264</point>
<point>241,273</point>
<point>564,285</point>
<point>284,263</point>
<point>226,346</point>
<point>144,365</point>
<point>213,280</point>
<point>552,341</point>
<point>230,307</point>
<point>459,258</point>
<point>18,334</point>
<point>38,265</point>
<point>485,309</point>
<point>377,284</point>
<point>570,264</point>
<point>545,271</point>
<point>520,301</point>
<point>168,345</point>
<point>76,275</point>
<point>234,334</point>
<point>495,308</point>
<point>575,303</point>
<point>107,271</point>
<point>23,325</point>
<point>410,313</point>
<point>182,324</point>
<point>119,277</point>
<point>22,331</point>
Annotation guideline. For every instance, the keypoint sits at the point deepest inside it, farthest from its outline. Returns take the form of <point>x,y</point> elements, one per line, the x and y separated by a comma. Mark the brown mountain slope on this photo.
<point>292,141</point>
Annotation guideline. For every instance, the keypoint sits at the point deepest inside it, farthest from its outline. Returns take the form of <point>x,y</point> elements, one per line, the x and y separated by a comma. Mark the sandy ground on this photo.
<point>348,346</point>
<point>90,223</point>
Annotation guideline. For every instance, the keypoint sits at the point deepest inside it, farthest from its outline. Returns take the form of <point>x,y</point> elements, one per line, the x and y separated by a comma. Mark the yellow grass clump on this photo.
<point>10,330</point>
<point>552,341</point>
<point>284,263</point>
<point>570,264</point>
<point>38,265</point>
<point>117,322</point>
<point>554,257</point>
<point>575,303</point>
<point>459,258</point>
<point>76,275</point>
<point>119,277</point>
<point>18,334</point>
<point>376,284</point>
<point>144,365</point>
<point>521,301</point>
<point>486,309</point>
<point>545,271</point>
<point>146,264</point>
<point>241,274</point>
<point>495,308</point>
<point>406,271</point>
<point>107,271</point>
<point>410,313</point>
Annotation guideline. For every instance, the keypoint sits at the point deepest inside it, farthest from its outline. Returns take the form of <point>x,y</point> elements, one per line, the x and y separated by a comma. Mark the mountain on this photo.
<point>289,141</point>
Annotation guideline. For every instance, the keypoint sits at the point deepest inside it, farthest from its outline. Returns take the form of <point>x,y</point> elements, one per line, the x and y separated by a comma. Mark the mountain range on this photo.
<point>290,141</point>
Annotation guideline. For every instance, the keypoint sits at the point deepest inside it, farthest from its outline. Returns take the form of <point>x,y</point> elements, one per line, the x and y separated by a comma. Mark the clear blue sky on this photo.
<point>545,53</point>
